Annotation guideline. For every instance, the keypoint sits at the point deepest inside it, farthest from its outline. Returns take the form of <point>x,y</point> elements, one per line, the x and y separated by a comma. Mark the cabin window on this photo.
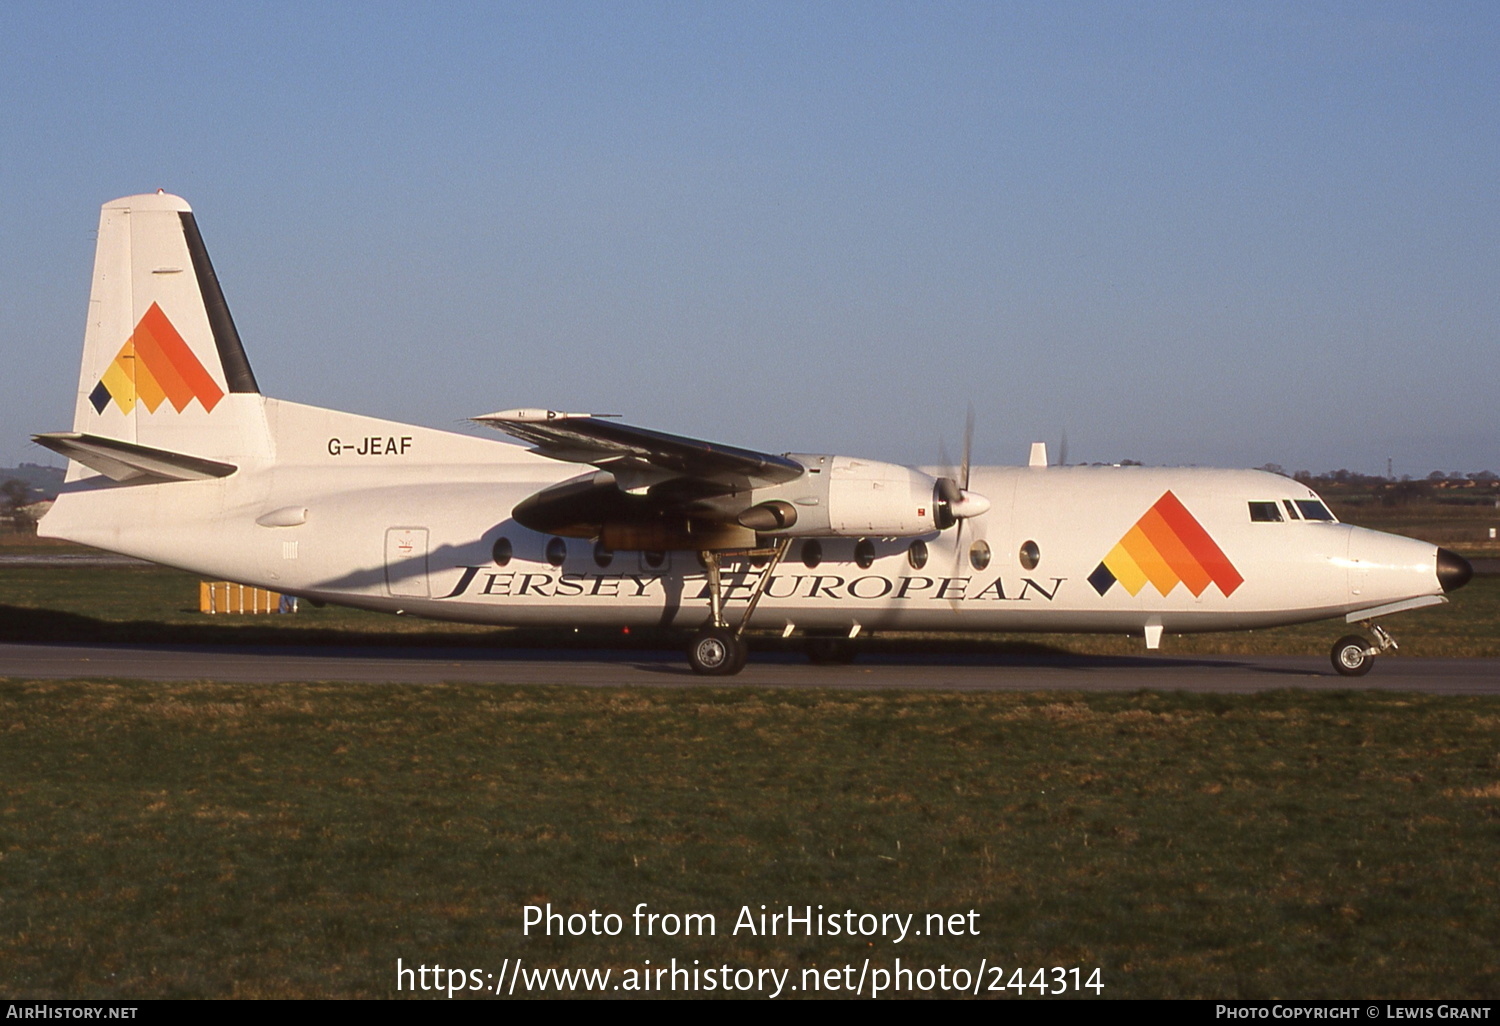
<point>812,552</point>
<point>979,555</point>
<point>654,559</point>
<point>1312,509</point>
<point>502,551</point>
<point>1030,555</point>
<point>603,556</point>
<point>1265,513</point>
<point>557,551</point>
<point>864,553</point>
<point>917,554</point>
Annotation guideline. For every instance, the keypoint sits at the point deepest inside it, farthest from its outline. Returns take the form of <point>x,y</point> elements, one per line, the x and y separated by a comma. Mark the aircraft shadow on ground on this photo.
<point>20,624</point>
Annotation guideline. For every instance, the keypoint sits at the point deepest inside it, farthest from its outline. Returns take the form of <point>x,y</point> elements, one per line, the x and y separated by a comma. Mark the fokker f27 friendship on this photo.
<point>177,457</point>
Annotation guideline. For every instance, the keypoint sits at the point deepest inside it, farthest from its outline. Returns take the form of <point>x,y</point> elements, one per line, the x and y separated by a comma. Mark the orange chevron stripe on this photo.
<point>1220,570</point>
<point>172,363</point>
<point>156,365</point>
<point>147,389</point>
<point>150,354</point>
<point>1156,569</point>
<point>1166,546</point>
<point>1178,556</point>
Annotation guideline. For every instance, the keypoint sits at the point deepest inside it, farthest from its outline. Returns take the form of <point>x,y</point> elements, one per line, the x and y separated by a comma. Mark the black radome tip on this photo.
<point>1453,570</point>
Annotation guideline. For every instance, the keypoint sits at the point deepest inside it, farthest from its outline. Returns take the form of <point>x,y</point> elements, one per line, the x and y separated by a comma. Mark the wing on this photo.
<point>639,458</point>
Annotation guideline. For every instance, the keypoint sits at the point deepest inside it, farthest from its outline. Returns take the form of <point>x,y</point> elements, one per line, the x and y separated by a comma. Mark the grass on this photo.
<point>194,840</point>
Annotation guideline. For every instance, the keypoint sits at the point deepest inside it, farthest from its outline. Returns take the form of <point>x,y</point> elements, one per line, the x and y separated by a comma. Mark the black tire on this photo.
<point>1350,656</point>
<point>716,652</point>
<point>741,655</point>
<point>830,651</point>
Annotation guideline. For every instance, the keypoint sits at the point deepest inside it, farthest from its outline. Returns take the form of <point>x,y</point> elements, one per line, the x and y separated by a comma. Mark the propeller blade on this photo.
<point>968,448</point>
<point>952,501</point>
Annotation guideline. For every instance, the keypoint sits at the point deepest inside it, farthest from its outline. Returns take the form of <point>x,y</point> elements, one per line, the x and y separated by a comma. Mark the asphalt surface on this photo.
<point>668,669</point>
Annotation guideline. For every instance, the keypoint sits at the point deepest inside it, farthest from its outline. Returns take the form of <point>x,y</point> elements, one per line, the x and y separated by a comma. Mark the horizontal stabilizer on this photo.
<point>130,463</point>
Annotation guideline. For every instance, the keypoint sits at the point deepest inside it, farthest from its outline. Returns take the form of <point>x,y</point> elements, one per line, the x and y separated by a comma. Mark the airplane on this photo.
<point>176,456</point>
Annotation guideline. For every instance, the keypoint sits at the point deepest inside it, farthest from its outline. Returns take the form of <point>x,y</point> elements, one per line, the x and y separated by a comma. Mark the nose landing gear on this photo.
<point>1354,656</point>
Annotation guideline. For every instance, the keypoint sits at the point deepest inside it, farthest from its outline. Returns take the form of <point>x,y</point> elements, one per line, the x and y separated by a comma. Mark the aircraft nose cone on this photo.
<point>1453,570</point>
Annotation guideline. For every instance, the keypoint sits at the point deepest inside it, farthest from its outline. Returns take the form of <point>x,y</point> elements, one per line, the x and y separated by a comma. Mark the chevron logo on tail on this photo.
<point>1166,547</point>
<point>154,366</point>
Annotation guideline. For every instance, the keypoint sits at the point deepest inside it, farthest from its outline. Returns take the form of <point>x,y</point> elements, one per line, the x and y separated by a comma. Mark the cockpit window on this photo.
<point>1265,513</point>
<point>1312,509</point>
<point>1291,511</point>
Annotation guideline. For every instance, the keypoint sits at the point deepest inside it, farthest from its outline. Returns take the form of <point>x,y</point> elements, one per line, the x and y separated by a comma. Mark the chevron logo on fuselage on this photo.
<point>154,366</point>
<point>1166,547</point>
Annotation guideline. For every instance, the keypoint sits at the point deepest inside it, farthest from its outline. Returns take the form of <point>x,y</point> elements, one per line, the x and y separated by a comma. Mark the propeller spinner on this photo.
<point>951,499</point>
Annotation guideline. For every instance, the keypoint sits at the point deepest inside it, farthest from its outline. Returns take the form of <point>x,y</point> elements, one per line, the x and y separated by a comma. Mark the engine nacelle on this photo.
<point>837,496</point>
<point>865,497</point>
<point>844,495</point>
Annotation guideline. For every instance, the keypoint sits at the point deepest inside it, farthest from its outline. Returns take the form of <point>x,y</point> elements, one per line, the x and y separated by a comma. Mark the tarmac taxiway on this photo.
<point>602,668</point>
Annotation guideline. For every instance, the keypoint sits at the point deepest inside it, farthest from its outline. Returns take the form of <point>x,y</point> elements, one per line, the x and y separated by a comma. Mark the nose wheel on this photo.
<point>1354,656</point>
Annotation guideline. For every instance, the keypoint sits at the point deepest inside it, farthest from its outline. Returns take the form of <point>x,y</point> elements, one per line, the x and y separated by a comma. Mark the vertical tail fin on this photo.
<point>162,362</point>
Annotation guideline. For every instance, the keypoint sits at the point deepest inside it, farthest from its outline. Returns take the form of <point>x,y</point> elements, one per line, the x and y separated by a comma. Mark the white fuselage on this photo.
<point>387,516</point>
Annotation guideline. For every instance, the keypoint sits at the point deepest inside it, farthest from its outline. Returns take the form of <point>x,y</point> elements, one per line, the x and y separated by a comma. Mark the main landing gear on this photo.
<point>719,650</point>
<point>1354,656</point>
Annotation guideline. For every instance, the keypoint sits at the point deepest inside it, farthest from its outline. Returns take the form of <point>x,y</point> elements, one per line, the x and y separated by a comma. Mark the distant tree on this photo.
<point>1274,468</point>
<point>1437,475</point>
<point>13,496</point>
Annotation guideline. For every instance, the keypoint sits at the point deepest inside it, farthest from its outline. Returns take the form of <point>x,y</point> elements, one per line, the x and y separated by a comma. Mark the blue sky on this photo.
<point>1185,233</point>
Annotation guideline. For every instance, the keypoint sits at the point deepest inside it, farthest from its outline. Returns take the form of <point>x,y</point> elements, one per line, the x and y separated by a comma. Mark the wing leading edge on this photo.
<point>639,458</point>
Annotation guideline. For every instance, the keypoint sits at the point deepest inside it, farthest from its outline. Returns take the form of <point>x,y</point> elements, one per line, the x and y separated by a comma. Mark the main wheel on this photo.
<point>1351,656</point>
<point>716,652</point>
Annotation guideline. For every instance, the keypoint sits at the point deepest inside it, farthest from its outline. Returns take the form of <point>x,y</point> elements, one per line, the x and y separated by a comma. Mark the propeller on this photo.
<point>952,501</point>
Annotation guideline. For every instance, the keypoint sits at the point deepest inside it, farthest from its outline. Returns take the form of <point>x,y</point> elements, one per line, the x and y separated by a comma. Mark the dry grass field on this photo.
<point>193,840</point>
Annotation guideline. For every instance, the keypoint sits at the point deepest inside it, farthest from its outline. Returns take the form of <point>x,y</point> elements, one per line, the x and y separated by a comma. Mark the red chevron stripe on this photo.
<point>1197,541</point>
<point>1183,561</point>
<point>172,362</point>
